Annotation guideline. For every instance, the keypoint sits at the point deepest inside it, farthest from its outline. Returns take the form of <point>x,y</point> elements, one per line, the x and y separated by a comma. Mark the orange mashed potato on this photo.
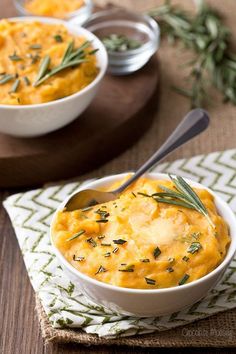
<point>23,45</point>
<point>142,244</point>
<point>53,8</point>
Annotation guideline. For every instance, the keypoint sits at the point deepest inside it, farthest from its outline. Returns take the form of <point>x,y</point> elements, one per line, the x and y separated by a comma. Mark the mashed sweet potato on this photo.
<point>137,242</point>
<point>23,46</point>
<point>53,8</point>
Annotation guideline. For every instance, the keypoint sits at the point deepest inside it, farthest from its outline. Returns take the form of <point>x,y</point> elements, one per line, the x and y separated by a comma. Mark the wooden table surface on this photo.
<point>19,327</point>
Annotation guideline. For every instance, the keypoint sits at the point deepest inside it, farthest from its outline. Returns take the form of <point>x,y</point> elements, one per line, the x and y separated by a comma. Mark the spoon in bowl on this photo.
<point>195,122</point>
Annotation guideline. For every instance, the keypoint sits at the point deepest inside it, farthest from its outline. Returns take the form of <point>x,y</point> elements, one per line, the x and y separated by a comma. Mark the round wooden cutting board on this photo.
<point>118,116</point>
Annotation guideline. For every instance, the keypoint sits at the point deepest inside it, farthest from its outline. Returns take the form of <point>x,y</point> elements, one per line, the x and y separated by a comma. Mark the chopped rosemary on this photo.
<point>185,258</point>
<point>120,43</point>
<point>129,269</point>
<point>116,249</point>
<point>86,209</point>
<point>35,46</point>
<point>156,252</point>
<point>119,241</point>
<point>183,195</point>
<point>171,259</point>
<point>34,58</point>
<point>91,241</point>
<point>134,195</point>
<point>102,221</point>
<point>107,254</point>
<point>72,57</point>
<point>101,237</point>
<point>26,80</point>
<point>78,259</point>
<point>6,78</point>
<point>169,269</point>
<point>150,281</point>
<point>15,86</point>
<point>145,260</point>
<point>15,57</point>
<point>58,38</point>
<point>105,244</point>
<point>183,279</point>
<point>81,232</point>
<point>194,247</point>
<point>196,235</point>
<point>103,215</point>
<point>101,269</point>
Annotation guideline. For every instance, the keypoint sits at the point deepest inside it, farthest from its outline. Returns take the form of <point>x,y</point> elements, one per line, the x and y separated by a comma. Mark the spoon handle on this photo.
<point>195,122</point>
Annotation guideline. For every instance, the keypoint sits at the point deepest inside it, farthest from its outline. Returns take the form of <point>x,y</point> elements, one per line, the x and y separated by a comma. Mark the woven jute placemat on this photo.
<point>218,330</point>
<point>215,331</point>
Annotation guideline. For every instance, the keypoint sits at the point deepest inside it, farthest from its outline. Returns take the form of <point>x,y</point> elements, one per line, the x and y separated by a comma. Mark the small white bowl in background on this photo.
<point>133,25</point>
<point>39,119</point>
<point>147,303</point>
<point>78,17</point>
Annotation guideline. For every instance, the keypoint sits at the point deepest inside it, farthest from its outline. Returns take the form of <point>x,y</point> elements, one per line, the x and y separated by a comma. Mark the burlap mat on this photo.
<point>215,331</point>
<point>218,330</point>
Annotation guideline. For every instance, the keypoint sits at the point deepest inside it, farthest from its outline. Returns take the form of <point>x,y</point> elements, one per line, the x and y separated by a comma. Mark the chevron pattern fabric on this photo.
<point>65,306</point>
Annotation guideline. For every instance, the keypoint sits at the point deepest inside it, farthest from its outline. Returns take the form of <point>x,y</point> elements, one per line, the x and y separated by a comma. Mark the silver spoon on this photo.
<point>195,122</point>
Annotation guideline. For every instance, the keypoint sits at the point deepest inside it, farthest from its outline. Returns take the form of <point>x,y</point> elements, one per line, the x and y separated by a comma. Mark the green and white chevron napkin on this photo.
<point>62,300</point>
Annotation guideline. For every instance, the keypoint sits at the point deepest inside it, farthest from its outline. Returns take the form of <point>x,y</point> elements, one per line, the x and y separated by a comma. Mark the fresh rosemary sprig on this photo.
<point>206,35</point>
<point>72,57</point>
<point>183,196</point>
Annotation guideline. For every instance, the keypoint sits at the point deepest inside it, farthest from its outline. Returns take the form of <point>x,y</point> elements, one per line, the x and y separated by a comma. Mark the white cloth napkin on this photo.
<point>65,306</point>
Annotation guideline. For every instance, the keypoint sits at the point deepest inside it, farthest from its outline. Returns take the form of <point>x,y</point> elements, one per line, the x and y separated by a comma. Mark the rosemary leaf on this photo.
<point>78,259</point>
<point>156,252</point>
<point>150,281</point>
<point>119,241</point>
<point>15,57</point>
<point>35,46</point>
<point>26,80</point>
<point>15,86</point>
<point>183,279</point>
<point>58,38</point>
<point>194,247</point>
<point>101,269</point>
<point>81,232</point>
<point>6,78</point>
<point>43,69</point>
<point>128,269</point>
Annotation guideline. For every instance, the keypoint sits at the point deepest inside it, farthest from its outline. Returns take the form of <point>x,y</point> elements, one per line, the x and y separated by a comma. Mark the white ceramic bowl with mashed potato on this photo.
<point>139,302</point>
<point>39,119</point>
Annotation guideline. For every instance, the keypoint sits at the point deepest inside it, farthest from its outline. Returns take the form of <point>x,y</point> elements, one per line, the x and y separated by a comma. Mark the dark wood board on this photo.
<point>118,116</point>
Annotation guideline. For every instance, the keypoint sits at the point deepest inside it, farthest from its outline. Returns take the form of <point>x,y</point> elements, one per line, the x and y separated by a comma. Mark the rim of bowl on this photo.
<point>112,178</point>
<point>103,64</point>
<point>88,5</point>
<point>153,43</point>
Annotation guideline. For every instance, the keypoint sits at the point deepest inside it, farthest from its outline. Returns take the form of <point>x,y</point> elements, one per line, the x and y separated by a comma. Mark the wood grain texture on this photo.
<point>120,113</point>
<point>19,327</point>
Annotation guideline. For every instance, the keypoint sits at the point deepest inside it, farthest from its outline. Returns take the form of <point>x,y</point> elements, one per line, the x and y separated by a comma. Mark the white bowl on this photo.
<point>146,303</point>
<point>38,119</point>
<point>78,17</point>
